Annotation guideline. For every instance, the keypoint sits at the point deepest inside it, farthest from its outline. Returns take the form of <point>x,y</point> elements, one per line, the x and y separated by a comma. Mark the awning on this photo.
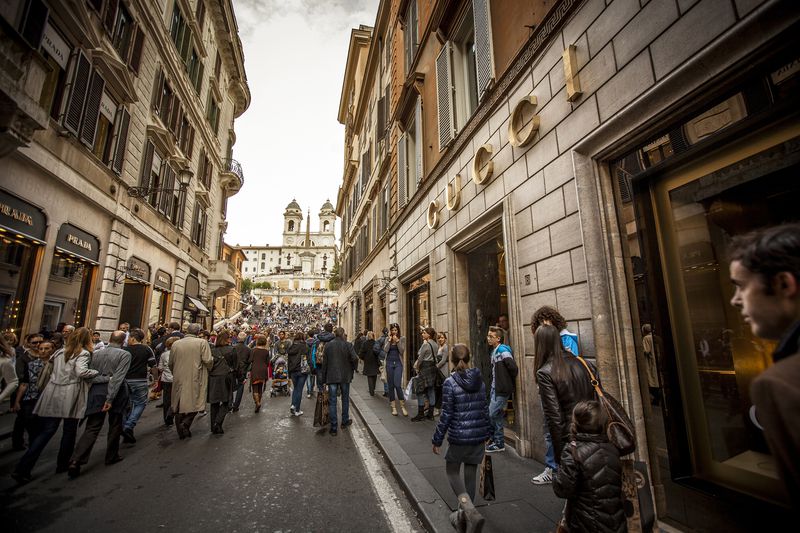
<point>197,303</point>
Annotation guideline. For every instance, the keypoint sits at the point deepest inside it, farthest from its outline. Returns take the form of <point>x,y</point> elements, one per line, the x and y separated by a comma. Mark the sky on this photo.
<point>289,141</point>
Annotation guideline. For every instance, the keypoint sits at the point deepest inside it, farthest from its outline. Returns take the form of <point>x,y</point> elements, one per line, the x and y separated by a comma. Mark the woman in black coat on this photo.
<point>297,352</point>
<point>371,362</point>
<point>563,382</point>
<point>221,378</point>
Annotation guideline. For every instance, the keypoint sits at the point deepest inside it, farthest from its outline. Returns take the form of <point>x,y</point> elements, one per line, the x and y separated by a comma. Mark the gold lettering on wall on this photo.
<point>454,193</point>
<point>571,73</point>
<point>433,214</point>
<point>77,241</point>
<point>16,214</point>
<point>482,166</point>
<point>524,124</point>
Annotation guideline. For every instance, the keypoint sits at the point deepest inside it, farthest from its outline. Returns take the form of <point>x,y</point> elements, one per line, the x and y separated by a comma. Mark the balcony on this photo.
<point>221,275</point>
<point>231,176</point>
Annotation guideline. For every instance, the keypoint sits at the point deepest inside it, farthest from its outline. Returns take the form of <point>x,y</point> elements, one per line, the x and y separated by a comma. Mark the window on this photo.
<point>263,256</point>
<point>205,171</point>
<point>194,67</point>
<point>157,174</point>
<point>200,14</point>
<point>410,34</point>
<point>199,223</point>
<point>217,66</point>
<point>182,36</point>
<point>57,52</point>
<point>409,157</point>
<point>462,61</point>
<point>126,37</point>
<point>82,114</point>
<point>262,265</point>
<point>213,113</point>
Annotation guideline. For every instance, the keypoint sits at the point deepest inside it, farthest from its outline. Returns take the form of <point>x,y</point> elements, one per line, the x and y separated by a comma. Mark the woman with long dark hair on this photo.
<point>563,382</point>
<point>296,353</point>
<point>395,348</point>
<point>64,398</point>
<point>465,421</point>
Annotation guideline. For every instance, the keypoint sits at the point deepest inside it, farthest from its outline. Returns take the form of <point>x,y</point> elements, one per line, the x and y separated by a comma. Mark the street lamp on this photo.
<point>184,178</point>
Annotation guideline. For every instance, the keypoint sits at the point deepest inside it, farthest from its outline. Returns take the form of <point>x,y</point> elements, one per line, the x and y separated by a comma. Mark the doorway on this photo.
<point>419,317</point>
<point>132,308</point>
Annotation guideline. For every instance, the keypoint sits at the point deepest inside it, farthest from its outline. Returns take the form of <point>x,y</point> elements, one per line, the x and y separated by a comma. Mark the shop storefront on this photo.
<point>419,316</point>
<point>726,170</point>
<point>160,299</point>
<point>369,319</point>
<point>194,310</point>
<point>134,294</point>
<point>22,236</point>
<point>72,277</point>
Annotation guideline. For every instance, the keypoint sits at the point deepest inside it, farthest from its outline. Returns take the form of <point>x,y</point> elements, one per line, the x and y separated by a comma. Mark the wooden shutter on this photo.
<point>402,171</point>
<point>136,53</point>
<point>444,93</point>
<point>484,62</point>
<point>418,140</point>
<point>147,164</point>
<point>92,110</point>
<point>381,117</point>
<point>165,196</point>
<point>111,16</point>
<point>158,90</point>
<point>198,81</point>
<point>123,122</point>
<point>78,89</point>
<point>201,13</point>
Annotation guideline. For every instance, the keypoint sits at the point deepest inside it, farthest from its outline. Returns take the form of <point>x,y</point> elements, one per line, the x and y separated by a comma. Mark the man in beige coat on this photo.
<point>190,359</point>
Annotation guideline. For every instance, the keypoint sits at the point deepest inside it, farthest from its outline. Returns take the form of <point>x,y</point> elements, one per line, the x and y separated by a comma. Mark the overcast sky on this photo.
<point>289,141</point>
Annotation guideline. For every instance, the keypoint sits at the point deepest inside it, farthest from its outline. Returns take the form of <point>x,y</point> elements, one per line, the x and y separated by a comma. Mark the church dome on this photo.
<point>293,205</point>
<point>327,206</point>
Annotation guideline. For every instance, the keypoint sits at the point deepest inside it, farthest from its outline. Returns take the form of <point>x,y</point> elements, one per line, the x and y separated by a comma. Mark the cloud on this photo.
<point>332,13</point>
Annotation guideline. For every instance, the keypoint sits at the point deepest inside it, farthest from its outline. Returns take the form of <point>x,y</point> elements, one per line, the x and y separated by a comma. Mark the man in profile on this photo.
<point>765,271</point>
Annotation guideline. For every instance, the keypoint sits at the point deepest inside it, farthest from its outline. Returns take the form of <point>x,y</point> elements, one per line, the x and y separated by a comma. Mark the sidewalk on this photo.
<point>519,505</point>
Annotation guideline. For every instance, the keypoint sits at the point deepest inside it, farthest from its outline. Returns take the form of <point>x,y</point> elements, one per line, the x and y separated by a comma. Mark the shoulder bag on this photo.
<point>305,368</point>
<point>620,430</point>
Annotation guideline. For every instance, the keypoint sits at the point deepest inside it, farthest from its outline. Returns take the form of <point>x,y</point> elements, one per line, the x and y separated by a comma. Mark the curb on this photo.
<point>433,511</point>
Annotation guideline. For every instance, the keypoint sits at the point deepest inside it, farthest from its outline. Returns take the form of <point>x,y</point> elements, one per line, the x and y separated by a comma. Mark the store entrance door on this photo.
<point>132,308</point>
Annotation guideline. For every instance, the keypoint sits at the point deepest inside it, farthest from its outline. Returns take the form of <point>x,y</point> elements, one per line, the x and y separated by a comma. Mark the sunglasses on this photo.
<point>36,342</point>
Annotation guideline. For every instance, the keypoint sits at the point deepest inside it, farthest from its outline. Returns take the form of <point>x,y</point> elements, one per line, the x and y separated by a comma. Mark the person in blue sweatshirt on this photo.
<point>504,374</point>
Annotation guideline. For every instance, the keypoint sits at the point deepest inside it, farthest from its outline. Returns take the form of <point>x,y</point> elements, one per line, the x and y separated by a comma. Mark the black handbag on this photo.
<point>487,479</point>
<point>620,430</point>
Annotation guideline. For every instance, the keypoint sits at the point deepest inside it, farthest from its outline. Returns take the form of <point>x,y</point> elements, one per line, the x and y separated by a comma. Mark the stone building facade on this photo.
<point>597,156</point>
<point>122,166</point>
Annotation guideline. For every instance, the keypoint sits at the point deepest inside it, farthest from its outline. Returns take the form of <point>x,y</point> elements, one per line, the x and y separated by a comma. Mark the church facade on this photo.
<point>299,268</point>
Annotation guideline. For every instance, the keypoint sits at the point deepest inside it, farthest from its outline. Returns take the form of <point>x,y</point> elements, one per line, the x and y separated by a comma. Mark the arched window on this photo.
<point>327,225</point>
<point>291,225</point>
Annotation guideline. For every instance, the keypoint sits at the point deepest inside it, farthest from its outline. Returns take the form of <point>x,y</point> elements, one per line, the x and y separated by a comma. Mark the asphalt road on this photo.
<point>268,472</point>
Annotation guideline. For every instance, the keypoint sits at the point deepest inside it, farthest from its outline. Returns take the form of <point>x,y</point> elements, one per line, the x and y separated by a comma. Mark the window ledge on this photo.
<point>115,73</point>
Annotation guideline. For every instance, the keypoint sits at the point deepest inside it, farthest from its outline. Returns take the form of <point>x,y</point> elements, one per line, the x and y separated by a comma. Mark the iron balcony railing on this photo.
<point>232,166</point>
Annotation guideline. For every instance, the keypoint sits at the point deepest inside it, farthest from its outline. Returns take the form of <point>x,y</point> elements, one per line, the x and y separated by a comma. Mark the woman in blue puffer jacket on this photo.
<point>465,421</point>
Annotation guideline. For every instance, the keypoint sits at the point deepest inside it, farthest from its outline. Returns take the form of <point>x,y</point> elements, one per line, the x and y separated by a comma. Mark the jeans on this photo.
<point>48,428</point>
<point>496,409</point>
<point>394,375</point>
<point>430,393</point>
<point>298,380</point>
<point>139,392</point>
<point>238,392</point>
<point>334,388</point>
<point>310,383</point>
<point>550,454</point>
<point>94,423</point>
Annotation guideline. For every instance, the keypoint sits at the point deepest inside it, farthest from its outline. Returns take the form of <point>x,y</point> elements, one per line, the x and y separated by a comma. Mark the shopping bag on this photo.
<point>636,498</point>
<point>487,478</point>
<point>410,389</point>
<point>383,373</point>
<point>321,414</point>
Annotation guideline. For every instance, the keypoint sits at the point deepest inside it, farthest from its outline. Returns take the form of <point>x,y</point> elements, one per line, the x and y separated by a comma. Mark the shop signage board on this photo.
<point>138,270</point>
<point>79,243</point>
<point>19,217</point>
<point>162,281</point>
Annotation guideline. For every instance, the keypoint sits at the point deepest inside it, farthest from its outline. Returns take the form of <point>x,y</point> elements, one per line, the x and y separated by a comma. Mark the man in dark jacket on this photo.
<point>765,271</point>
<point>108,394</point>
<point>142,359</point>
<point>244,359</point>
<point>504,372</point>
<point>338,367</point>
<point>319,354</point>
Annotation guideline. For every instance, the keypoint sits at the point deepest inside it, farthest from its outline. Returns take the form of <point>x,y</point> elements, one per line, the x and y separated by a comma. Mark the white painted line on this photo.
<point>395,516</point>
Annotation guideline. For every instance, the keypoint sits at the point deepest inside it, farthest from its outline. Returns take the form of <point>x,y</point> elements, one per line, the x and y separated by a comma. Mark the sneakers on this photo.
<point>291,410</point>
<point>494,448</point>
<point>308,395</point>
<point>347,423</point>
<point>544,478</point>
<point>297,413</point>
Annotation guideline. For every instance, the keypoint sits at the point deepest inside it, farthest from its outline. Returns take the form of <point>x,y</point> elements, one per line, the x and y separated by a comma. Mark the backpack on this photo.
<point>321,353</point>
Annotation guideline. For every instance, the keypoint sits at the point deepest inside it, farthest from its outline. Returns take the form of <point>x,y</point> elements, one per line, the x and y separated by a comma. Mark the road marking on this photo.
<point>395,516</point>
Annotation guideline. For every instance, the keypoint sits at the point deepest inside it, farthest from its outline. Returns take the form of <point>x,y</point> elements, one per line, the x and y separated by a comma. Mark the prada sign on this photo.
<point>138,270</point>
<point>162,281</point>
<point>19,217</point>
<point>77,242</point>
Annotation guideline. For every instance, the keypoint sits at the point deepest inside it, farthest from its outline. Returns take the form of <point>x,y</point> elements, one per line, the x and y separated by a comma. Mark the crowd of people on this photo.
<point>74,375</point>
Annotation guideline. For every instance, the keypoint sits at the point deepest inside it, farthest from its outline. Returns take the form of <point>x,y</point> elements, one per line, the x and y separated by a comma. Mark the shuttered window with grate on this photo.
<point>123,124</point>
<point>79,86</point>
<point>484,61</point>
<point>92,109</point>
<point>445,95</point>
